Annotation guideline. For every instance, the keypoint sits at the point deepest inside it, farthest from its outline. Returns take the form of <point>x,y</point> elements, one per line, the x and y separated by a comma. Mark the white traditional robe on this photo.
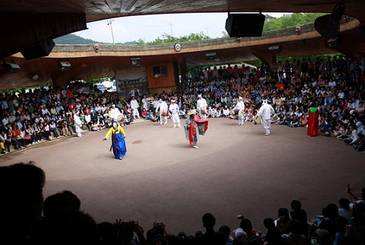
<point>163,109</point>
<point>78,124</point>
<point>174,109</point>
<point>240,107</point>
<point>134,105</point>
<point>265,112</point>
<point>201,107</point>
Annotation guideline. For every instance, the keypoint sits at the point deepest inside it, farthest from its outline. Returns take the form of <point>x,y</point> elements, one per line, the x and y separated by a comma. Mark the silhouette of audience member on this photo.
<point>296,236</point>
<point>273,236</point>
<point>299,215</point>
<point>209,237</point>
<point>107,233</point>
<point>239,237</point>
<point>157,234</point>
<point>251,234</point>
<point>21,201</point>
<point>344,209</point>
<point>61,203</point>
<point>224,232</point>
<point>64,223</point>
<point>283,220</point>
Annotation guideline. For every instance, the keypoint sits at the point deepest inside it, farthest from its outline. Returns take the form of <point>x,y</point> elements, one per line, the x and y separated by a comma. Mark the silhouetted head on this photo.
<point>61,203</point>
<point>331,211</point>
<point>246,225</point>
<point>296,205</point>
<point>283,212</point>
<point>21,190</point>
<point>344,203</point>
<point>208,221</point>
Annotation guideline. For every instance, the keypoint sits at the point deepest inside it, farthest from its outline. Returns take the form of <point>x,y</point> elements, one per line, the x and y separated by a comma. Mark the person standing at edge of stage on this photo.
<point>118,140</point>
<point>174,110</point>
<point>265,112</point>
<point>78,123</point>
<point>240,108</point>
<point>114,113</point>
<point>134,106</point>
<point>162,108</point>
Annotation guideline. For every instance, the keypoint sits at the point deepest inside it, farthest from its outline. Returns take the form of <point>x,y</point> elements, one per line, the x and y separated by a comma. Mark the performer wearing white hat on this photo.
<point>201,106</point>
<point>114,112</point>
<point>134,105</point>
<point>174,109</point>
<point>162,108</point>
<point>240,108</point>
<point>265,112</point>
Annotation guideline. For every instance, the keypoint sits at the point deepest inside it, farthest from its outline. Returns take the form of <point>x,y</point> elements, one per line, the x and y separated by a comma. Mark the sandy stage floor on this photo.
<point>236,170</point>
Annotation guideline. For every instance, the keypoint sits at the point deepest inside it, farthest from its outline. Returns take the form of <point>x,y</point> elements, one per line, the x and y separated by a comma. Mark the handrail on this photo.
<point>146,47</point>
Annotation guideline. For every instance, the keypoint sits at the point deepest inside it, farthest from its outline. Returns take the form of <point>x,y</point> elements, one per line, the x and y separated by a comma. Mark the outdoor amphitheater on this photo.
<point>254,136</point>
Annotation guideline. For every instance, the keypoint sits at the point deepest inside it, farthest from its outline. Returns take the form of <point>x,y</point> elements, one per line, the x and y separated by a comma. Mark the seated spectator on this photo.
<point>299,215</point>
<point>283,221</point>
<point>273,235</point>
<point>344,209</point>
<point>21,202</point>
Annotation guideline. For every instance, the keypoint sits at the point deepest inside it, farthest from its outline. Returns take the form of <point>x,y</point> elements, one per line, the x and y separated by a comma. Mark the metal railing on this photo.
<point>149,47</point>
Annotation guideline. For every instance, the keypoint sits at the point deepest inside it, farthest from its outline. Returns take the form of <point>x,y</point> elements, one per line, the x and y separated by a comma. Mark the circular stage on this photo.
<point>235,170</point>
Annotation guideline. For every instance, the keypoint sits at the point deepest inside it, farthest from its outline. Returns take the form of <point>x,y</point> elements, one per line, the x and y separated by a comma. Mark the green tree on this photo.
<point>166,38</point>
<point>290,20</point>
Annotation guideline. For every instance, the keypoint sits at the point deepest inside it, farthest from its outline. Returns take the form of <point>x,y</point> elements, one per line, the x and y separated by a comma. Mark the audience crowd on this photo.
<point>335,85</point>
<point>25,218</point>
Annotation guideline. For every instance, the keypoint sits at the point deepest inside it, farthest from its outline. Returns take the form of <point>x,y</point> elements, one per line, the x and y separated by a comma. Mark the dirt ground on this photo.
<point>235,170</point>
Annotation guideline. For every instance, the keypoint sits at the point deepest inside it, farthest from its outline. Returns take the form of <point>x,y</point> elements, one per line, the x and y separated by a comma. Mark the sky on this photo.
<point>149,27</point>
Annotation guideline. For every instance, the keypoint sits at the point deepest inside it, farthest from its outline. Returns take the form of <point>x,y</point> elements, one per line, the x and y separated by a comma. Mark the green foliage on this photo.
<point>167,39</point>
<point>140,41</point>
<point>290,20</point>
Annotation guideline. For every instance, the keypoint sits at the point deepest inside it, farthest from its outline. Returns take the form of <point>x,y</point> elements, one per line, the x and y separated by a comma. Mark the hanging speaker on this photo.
<point>40,49</point>
<point>245,25</point>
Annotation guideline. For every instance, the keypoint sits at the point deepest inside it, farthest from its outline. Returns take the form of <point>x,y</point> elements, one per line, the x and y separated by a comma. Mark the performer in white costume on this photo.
<point>202,106</point>
<point>145,103</point>
<point>78,124</point>
<point>240,108</point>
<point>265,112</point>
<point>114,113</point>
<point>162,108</point>
<point>174,110</point>
<point>134,105</point>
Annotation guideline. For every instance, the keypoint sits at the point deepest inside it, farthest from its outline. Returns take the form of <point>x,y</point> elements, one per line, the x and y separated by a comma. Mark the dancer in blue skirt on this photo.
<point>118,140</point>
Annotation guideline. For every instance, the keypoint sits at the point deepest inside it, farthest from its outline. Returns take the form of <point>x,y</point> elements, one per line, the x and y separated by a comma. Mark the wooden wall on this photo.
<point>163,82</point>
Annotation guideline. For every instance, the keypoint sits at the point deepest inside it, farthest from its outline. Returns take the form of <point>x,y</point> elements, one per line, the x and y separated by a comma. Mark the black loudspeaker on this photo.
<point>327,26</point>
<point>38,50</point>
<point>245,25</point>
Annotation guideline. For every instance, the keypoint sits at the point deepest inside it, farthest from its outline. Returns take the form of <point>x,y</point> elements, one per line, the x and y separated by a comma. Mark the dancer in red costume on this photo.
<point>195,126</point>
<point>313,125</point>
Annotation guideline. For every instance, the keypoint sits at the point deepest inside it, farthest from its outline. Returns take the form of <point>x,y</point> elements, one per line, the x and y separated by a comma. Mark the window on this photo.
<point>159,71</point>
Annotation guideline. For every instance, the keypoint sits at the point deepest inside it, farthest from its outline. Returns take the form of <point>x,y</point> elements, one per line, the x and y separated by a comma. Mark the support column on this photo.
<point>267,57</point>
